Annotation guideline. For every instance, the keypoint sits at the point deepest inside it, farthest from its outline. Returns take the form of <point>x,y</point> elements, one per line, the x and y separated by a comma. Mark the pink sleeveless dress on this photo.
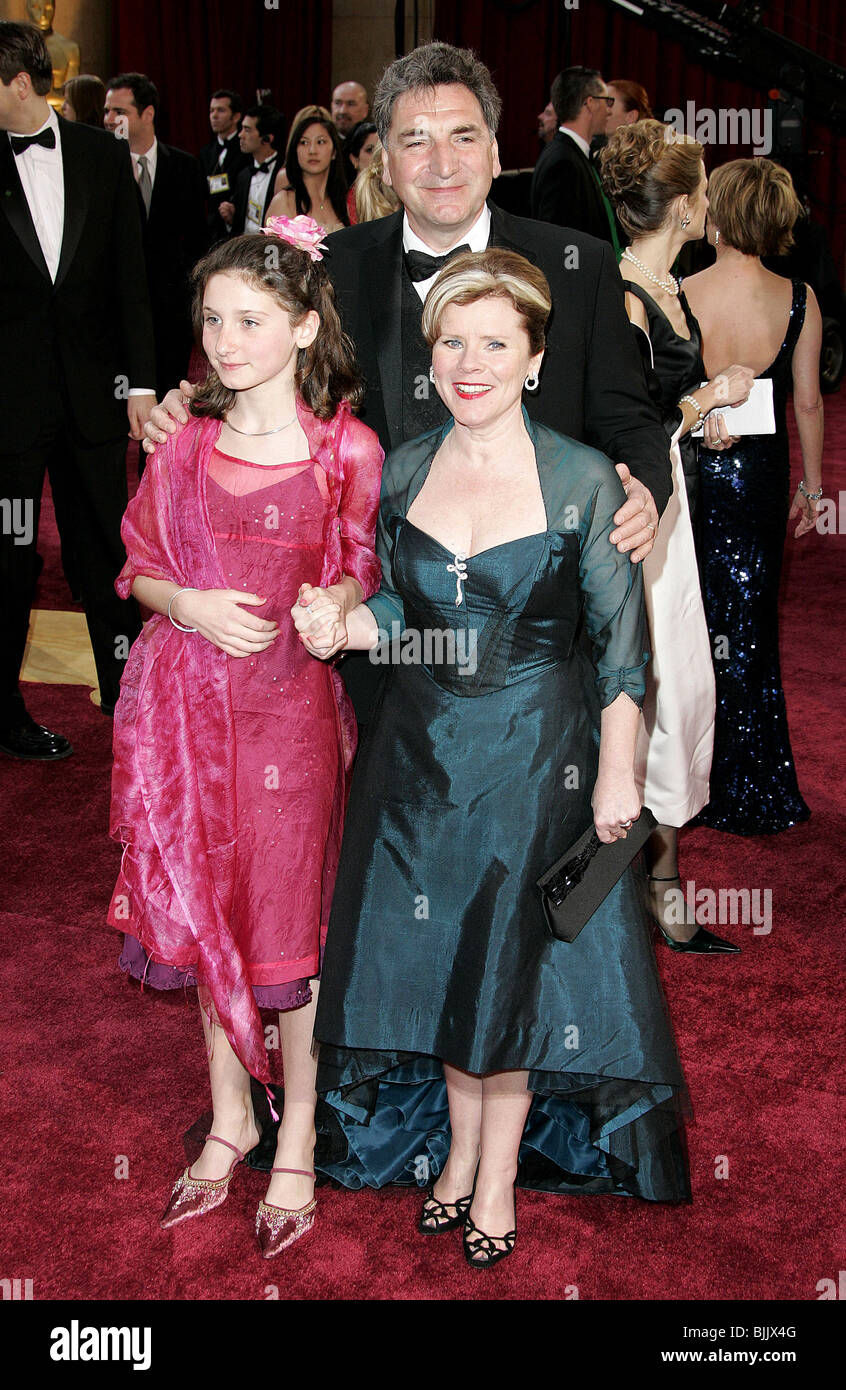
<point>268,526</point>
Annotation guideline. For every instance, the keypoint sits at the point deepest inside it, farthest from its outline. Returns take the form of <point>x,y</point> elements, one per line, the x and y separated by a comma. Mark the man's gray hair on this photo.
<point>435,65</point>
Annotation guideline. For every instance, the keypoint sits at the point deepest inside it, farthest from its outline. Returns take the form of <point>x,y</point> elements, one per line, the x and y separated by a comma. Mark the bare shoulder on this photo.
<point>700,283</point>
<point>281,204</point>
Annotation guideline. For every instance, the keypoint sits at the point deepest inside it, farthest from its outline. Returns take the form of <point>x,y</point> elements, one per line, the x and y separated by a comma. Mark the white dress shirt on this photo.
<point>222,147</point>
<point>257,195</point>
<point>41,173</point>
<point>577,139</point>
<point>477,239</point>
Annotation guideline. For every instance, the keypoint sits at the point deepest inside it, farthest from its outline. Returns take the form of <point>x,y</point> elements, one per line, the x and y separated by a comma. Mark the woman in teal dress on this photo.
<point>484,763</point>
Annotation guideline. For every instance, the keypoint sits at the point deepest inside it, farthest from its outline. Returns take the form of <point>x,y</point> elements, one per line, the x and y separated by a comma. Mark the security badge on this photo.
<point>218,183</point>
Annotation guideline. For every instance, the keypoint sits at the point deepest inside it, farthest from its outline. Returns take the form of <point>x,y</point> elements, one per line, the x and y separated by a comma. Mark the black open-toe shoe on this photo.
<point>435,1216</point>
<point>482,1251</point>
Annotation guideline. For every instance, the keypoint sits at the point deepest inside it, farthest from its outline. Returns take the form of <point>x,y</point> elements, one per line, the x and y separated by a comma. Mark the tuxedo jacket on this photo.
<point>592,387</point>
<point>233,162</point>
<point>242,193</point>
<point>95,319</point>
<point>565,191</point>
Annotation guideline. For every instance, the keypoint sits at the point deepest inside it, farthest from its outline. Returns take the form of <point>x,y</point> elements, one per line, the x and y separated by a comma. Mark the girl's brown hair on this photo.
<point>326,371</point>
<point>645,167</point>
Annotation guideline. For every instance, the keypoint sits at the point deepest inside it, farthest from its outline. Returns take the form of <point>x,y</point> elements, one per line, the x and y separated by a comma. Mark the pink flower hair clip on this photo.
<point>302,232</point>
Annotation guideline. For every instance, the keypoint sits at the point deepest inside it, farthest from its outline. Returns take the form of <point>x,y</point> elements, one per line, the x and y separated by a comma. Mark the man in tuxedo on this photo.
<point>172,198</point>
<point>76,358</point>
<point>222,159</point>
<point>566,188</point>
<point>436,111</point>
<point>261,139</point>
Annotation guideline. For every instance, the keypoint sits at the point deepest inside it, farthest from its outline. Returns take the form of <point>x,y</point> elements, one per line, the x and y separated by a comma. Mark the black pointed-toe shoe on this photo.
<point>702,943</point>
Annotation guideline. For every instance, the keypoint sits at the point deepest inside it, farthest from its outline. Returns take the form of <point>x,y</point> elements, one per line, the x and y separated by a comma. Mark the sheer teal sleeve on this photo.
<point>400,469</point>
<point>612,588</point>
<point>386,605</point>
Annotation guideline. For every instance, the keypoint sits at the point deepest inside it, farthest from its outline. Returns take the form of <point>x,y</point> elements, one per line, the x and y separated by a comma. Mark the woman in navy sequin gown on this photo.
<point>747,313</point>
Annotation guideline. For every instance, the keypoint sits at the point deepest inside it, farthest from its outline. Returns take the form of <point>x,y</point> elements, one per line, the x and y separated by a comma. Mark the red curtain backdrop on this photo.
<point>526,42</point>
<point>191,47</point>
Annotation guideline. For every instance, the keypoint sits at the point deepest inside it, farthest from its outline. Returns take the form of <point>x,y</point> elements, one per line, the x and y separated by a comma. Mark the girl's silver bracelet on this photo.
<point>187,590</point>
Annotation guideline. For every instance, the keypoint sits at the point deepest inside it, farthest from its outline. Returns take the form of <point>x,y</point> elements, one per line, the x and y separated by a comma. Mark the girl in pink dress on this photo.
<point>232,746</point>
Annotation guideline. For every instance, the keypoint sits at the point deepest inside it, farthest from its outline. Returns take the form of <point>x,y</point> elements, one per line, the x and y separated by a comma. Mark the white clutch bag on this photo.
<point>755,416</point>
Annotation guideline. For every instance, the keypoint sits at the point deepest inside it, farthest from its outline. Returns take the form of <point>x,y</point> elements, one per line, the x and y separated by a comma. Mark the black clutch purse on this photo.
<point>582,878</point>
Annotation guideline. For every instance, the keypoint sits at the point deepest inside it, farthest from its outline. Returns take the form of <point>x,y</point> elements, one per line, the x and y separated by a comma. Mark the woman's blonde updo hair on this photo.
<point>754,205</point>
<point>496,274</point>
<point>644,168</point>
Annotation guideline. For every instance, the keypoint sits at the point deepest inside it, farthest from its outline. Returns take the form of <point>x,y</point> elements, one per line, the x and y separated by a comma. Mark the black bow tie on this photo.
<point>422,266</point>
<point>46,137</point>
<point>261,168</point>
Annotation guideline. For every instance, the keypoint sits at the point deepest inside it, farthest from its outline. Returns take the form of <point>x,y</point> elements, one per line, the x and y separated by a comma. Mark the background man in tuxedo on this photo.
<point>222,159</point>
<point>172,197</point>
<point>76,357</point>
<point>565,186</point>
<point>261,141</point>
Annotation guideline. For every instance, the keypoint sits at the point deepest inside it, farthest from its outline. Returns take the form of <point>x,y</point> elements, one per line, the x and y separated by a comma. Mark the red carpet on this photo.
<point>101,1080</point>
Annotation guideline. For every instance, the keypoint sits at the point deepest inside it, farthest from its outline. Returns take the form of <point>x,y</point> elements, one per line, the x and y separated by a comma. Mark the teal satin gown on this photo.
<point>476,775</point>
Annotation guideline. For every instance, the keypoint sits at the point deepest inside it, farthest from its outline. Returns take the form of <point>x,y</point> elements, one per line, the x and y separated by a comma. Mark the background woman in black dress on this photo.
<point>775,325</point>
<point>658,188</point>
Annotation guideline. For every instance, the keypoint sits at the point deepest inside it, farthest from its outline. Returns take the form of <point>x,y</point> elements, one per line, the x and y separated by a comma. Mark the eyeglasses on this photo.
<point>598,96</point>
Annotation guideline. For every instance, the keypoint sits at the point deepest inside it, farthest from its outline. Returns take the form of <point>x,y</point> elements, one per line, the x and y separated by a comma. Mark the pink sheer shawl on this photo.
<point>173,779</point>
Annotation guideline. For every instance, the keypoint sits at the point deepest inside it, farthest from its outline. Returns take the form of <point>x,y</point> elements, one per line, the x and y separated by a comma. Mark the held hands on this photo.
<point>616,805</point>
<point>218,616</point>
<point>320,619</point>
<point>637,519</point>
<point>805,509</point>
<point>167,418</point>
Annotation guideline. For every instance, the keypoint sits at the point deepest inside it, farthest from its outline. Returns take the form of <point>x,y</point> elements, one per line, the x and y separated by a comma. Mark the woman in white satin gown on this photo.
<point>657,183</point>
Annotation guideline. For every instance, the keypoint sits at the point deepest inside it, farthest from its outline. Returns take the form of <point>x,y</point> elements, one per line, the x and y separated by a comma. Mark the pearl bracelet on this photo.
<point>811,496</point>
<point>691,400</point>
<point>187,590</point>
